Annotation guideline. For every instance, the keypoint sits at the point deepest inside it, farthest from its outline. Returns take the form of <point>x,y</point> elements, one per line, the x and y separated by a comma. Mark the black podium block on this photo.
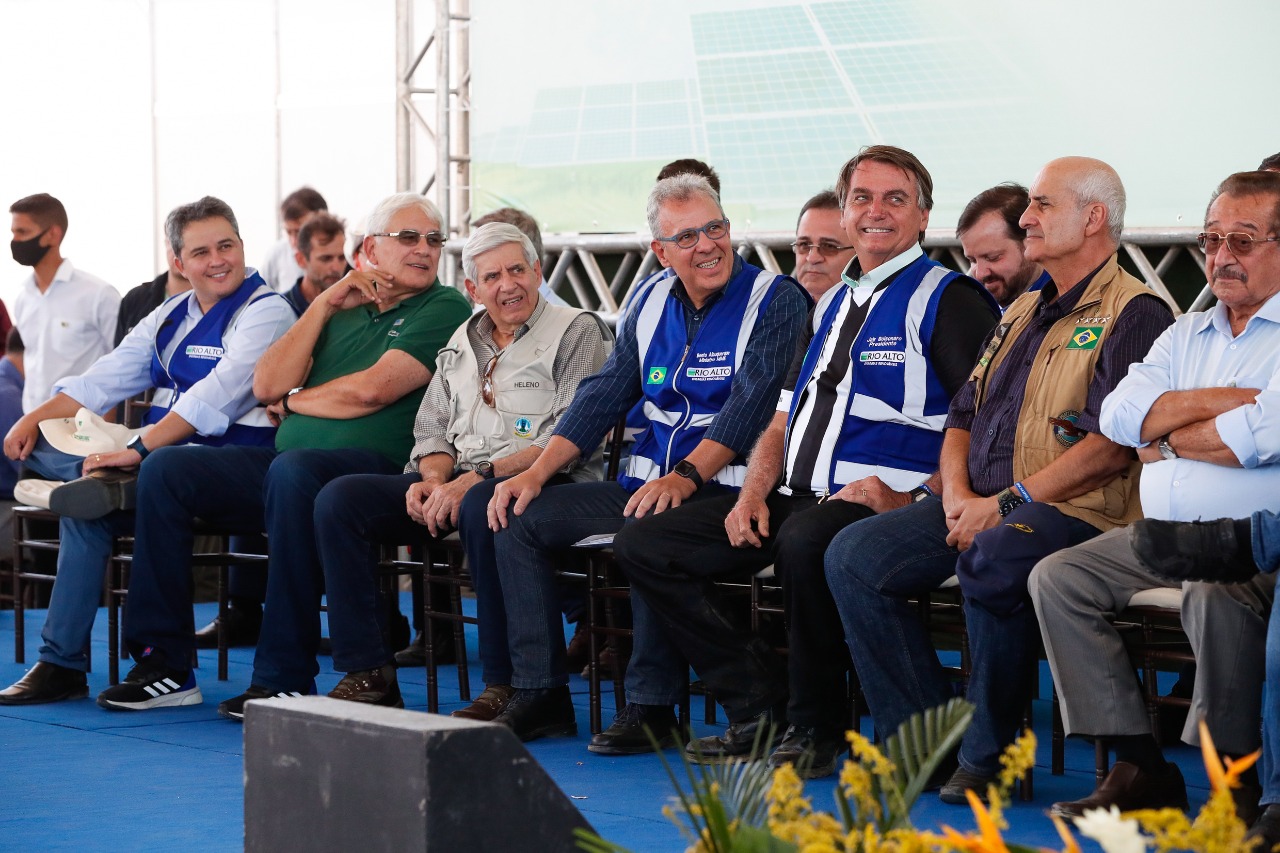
<point>324,774</point>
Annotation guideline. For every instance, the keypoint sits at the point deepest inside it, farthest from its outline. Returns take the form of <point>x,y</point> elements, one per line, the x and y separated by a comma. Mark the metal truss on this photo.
<point>575,264</point>
<point>433,121</point>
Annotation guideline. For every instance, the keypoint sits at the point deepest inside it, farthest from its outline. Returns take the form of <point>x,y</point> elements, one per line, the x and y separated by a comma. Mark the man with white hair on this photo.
<point>198,351</point>
<point>1025,471</point>
<point>502,382</point>
<point>343,383</point>
<point>702,354</point>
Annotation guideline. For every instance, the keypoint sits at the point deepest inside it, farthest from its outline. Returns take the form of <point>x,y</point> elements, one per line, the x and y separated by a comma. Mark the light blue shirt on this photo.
<point>213,403</point>
<point>1199,351</point>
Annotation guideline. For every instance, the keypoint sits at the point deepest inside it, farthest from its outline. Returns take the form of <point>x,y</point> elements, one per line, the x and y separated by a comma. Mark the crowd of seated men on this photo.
<point>1042,430</point>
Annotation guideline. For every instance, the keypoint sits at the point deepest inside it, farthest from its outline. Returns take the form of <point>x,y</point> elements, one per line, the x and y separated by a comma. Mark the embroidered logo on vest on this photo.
<point>707,372</point>
<point>523,427</point>
<point>1064,428</point>
<point>195,351</point>
<point>657,375</point>
<point>889,357</point>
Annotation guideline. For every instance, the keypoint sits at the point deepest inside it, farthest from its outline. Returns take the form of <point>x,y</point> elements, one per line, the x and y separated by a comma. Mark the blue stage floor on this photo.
<point>77,777</point>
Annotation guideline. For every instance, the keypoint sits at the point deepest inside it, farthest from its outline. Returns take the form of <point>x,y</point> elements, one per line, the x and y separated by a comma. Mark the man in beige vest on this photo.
<point>1024,472</point>
<point>501,383</point>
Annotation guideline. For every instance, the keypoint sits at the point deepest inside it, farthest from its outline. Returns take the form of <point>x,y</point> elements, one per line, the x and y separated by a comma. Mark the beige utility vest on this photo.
<point>1058,387</point>
<point>524,390</point>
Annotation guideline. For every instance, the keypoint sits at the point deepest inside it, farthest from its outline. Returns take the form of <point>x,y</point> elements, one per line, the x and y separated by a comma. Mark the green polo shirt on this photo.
<point>354,340</point>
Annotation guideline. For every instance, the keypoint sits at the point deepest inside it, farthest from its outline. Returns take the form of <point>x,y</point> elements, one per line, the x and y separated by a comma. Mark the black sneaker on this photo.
<point>962,780</point>
<point>151,684</point>
<point>233,708</point>
<point>629,734</point>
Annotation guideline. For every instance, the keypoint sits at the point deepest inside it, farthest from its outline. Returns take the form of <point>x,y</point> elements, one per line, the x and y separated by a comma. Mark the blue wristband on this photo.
<point>928,491</point>
<point>1022,490</point>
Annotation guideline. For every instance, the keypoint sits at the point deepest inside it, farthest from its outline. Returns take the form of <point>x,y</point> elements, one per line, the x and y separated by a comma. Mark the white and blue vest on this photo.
<point>686,383</point>
<point>197,354</point>
<point>897,405</point>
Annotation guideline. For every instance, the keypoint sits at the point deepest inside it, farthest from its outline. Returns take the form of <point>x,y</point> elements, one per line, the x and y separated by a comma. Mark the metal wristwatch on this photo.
<point>1165,448</point>
<point>1008,501</point>
<point>689,471</point>
<point>485,470</point>
<point>284,402</point>
<point>918,494</point>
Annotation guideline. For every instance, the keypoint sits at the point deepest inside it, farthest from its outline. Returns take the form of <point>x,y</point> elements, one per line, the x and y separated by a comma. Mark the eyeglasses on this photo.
<point>486,382</point>
<point>410,239</point>
<point>825,248</point>
<point>716,229</point>
<point>1238,242</point>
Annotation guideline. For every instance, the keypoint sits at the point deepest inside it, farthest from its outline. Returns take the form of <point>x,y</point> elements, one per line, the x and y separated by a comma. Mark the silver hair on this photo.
<point>490,236</point>
<point>183,215</point>
<point>677,188</point>
<point>1101,185</point>
<point>393,204</point>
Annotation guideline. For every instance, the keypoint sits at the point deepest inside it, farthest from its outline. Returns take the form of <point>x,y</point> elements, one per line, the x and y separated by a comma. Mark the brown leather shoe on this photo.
<point>578,653</point>
<point>1128,787</point>
<point>96,494</point>
<point>488,704</point>
<point>46,682</point>
<point>370,686</point>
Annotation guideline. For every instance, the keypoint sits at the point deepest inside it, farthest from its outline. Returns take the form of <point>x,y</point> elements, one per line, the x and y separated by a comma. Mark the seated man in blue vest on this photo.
<point>702,354</point>
<point>198,350</point>
<point>501,384</point>
<point>344,383</point>
<point>857,430</point>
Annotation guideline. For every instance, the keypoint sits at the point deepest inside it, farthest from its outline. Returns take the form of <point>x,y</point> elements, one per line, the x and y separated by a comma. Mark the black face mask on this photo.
<point>29,252</point>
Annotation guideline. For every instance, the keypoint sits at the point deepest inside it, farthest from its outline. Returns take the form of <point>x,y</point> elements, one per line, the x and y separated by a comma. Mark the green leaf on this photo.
<point>921,743</point>
<point>752,839</point>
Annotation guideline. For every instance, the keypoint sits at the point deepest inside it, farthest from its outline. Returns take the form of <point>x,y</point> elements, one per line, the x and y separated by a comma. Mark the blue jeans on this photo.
<point>526,562</point>
<point>82,563</point>
<point>246,489</point>
<point>874,566</point>
<point>355,514</point>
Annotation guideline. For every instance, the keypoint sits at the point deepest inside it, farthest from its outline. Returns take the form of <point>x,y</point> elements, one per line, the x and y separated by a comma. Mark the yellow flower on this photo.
<point>866,753</point>
<point>1017,759</point>
<point>987,841</point>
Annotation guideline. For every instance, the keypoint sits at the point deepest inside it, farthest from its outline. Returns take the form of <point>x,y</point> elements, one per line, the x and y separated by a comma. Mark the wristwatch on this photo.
<point>1008,501</point>
<point>135,444</point>
<point>1165,448</point>
<point>689,471</point>
<point>918,494</point>
<point>484,469</point>
<point>284,402</point>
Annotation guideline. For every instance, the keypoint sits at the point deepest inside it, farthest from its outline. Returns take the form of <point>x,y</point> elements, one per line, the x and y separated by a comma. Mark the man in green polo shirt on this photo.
<point>344,383</point>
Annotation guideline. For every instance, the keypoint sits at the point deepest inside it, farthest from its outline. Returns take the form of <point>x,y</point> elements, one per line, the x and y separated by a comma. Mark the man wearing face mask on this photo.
<point>67,317</point>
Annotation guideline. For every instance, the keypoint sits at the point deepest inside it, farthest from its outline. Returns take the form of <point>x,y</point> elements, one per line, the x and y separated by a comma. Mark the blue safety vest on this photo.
<point>197,354</point>
<point>686,383</point>
<point>897,405</point>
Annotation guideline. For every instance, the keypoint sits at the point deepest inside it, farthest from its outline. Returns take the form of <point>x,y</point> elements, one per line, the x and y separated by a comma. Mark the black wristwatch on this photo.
<point>485,470</point>
<point>284,401</point>
<point>918,494</point>
<point>1008,501</point>
<point>689,471</point>
<point>135,444</point>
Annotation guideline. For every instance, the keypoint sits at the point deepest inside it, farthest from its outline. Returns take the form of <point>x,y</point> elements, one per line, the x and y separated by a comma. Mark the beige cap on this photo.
<point>86,433</point>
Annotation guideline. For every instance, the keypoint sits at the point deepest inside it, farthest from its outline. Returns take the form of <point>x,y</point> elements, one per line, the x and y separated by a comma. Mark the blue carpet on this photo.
<point>77,777</point>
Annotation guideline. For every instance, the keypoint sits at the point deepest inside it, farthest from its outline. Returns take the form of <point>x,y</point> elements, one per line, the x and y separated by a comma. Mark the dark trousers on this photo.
<point>673,560</point>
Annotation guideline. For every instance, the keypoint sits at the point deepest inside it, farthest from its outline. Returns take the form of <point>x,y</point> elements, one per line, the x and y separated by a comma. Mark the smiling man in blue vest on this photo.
<point>701,355</point>
<point>344,381</point>
<point>857,430</point>
<point>198,350</point>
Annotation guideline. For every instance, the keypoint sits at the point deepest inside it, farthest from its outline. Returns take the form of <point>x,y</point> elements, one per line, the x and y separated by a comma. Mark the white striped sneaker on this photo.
<point>233,708</point>
<point>151,685</point>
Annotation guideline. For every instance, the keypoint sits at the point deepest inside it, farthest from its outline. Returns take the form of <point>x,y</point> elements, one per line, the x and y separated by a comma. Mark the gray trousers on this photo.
<point>1079,590</point>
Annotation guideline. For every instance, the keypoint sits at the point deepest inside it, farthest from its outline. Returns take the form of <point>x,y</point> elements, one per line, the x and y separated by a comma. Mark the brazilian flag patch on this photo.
<point>1085,337</point>
<point>657,375</point>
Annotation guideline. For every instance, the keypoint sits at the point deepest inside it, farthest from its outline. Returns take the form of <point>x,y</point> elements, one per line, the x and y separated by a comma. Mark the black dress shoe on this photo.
<point>1130,787</point>
<point>739,741</point>
<point>814,754</point>
<point>46,682</point>
<point>415,654</point>
<point>243,627</point>
<point>1266,828</point>
<point>547,712</point>
<point>630,732</point>
<point>1193,550</point>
